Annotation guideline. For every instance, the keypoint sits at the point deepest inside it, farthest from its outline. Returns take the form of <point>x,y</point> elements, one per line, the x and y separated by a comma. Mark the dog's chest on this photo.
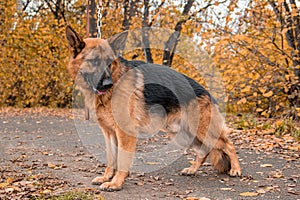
<point>104,115</point>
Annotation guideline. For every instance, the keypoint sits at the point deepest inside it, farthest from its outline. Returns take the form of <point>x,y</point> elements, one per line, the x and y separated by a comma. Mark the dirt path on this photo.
<point>43,154</point>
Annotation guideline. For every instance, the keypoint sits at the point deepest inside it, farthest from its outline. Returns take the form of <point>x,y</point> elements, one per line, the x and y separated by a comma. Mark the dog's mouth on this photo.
<point>99,92</point>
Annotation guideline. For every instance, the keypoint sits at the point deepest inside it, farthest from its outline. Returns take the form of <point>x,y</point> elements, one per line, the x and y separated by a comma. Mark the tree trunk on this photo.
<point>126,20</point>
<point>57,8</point>
<point>292,24</point>
<point>171,43</point>
<point>290,20</point>
<point>145,33</point>
<point>129,11</point>
<point>91,28</point>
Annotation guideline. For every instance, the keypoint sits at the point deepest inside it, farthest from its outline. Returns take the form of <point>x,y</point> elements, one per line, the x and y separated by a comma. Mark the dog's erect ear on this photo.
<point>118,42</point>
<point>75,42</point>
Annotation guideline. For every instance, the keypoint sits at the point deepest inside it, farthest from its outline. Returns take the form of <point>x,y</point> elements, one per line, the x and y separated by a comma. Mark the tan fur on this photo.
<point>121,114</point>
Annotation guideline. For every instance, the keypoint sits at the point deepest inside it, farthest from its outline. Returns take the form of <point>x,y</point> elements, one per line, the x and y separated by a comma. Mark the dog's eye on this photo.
<point>109,62</point>
<point>81,72</point>
<point>95,62</point>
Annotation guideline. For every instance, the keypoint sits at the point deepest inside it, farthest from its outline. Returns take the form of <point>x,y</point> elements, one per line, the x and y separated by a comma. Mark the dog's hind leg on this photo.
<point>223,157</point>
<point>126,149</point>
<point>194,167</point>
<point>229,150</point>
<point>202,153</point>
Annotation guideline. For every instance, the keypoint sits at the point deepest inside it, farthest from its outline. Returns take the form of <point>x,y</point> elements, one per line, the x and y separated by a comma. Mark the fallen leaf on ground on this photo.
<point>248,194</point>
<point>278,175</point>
<point>261,191</point>
<point>294,192</point>
<point>46,191</point>
<point>226,189</point>
<point>9,180</point>
<point>266,165</point>
<point>152,163</point>
<point>192,162</point>
<point>55,167</point>
<point>139,183</point>
<point>2,185</point>
<point>196,198</point>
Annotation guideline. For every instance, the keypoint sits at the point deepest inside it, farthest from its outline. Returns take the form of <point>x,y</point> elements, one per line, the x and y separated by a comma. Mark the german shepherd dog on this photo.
<point>131,97</point>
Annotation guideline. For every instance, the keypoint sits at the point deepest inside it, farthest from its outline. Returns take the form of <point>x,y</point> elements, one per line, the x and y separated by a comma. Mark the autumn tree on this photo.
<point>58,8</point>
<point>259,58</point>
<point>288,15</point>
<point>33,59</point>
<point>253,43</point>
<point>166,14</point>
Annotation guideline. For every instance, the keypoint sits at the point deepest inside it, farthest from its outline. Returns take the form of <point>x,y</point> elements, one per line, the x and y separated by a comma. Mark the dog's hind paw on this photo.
<point>235,172</point>
<point>188,171</point>
<point>110,186</point>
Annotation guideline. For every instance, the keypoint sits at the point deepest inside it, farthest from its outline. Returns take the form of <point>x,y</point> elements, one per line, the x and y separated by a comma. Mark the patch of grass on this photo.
<point>279,127</point>
<point>245,122</point>
<point>72,196</point>
<point>296,134</point>
<point>265,126</point>
<point>287,126</point>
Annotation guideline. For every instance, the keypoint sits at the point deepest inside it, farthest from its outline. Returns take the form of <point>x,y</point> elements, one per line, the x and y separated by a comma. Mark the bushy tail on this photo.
<point>219,160</point>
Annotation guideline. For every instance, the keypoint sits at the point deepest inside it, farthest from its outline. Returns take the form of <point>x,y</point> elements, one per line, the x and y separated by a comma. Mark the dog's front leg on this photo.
<point>126,149</point>
<point>111,156</point>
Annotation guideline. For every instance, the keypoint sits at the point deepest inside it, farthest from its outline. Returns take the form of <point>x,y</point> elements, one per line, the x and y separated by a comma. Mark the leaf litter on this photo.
<point>260,142</point>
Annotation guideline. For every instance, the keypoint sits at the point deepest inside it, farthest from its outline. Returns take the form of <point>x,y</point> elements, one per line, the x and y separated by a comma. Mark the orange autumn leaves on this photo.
<point>257,64</point>
<point>249,49</point>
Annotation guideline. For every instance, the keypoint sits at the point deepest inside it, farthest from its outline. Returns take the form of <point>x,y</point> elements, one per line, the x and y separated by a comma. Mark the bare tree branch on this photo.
<point>157,10</point>
<point>145,33</point>
<point>170,45</point>
<point>291,22</point>
<point>129,10</point>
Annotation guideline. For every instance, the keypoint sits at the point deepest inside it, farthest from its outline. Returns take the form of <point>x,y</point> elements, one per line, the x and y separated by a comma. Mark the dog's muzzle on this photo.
<point>104,85</point>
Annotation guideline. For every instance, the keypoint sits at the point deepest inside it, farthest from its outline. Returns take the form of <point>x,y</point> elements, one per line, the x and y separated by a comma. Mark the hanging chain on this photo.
<point>99,18</point>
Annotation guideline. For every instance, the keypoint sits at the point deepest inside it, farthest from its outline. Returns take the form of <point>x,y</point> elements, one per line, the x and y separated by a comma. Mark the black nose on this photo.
<point>107,83</point>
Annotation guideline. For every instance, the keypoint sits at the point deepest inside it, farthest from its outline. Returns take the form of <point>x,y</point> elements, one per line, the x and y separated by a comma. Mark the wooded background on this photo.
<point>255,45</point>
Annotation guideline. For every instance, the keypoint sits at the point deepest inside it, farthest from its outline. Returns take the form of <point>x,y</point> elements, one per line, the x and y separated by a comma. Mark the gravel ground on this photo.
<point>48,154</point>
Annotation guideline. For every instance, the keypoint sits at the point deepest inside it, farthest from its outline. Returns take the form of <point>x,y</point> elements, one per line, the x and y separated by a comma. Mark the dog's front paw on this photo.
<point>188,171</point>
<point>235,172</point>
<point>110,186</point>
<point>99,180</point>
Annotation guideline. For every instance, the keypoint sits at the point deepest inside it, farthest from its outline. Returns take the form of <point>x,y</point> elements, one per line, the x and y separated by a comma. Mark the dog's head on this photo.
<point>93,60</point>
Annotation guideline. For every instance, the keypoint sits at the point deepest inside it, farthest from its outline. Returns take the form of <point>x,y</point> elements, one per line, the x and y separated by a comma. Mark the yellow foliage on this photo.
<point>268,94</point>
<point>33,60</point>
<point>259,110</point>
<point>246,89</point>
<point>242,101</point>
<point>255,72</point>
<point>34,54</point>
